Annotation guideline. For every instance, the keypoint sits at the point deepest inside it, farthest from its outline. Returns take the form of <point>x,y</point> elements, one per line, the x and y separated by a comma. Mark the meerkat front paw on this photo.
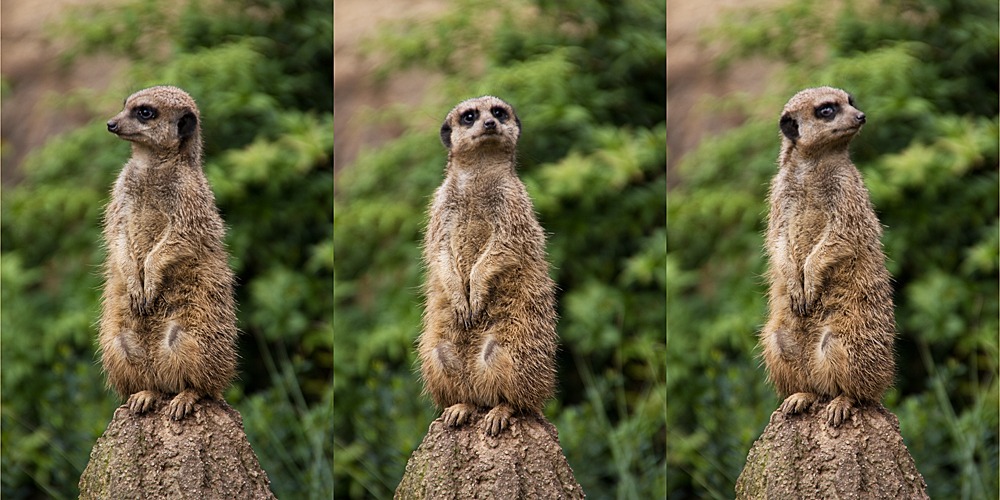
<point>797,299</point>
<point>463,315</point>
<point>475,308</point>
<point>136,297</point>
<point>798,402</point>
<point>839,410</point>
<point>142,401</point>
<point>182,404</point>
<point>811,298</point>
<point>497,418</point>
<point>457,414</point>
<point>149,291</point>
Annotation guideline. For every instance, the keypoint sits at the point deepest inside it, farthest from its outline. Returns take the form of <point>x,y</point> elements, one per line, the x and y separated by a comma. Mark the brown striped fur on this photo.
<point>830,330</point>
<point>169,320</point>
<point>489,337</point>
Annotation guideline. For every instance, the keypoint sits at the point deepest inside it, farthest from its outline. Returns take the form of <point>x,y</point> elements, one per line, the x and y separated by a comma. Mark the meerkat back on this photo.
<point>168,324</point>
<point>489,334</point>
<point>830,327</point>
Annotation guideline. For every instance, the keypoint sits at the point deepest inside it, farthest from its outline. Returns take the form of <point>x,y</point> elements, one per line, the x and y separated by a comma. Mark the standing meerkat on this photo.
<point>831,326</point>
<point>489,337</point>
<point>169,320</point>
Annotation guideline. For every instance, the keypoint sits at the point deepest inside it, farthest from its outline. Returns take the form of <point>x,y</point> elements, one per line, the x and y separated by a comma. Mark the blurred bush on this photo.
<point>587,80</point>
<point>260,71</point>
<point>925,74</point>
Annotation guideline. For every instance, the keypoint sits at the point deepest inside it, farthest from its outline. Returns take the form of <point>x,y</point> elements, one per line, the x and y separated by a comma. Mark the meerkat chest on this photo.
<point>808,215</point>
<point>807,228</point>
<point>149,207</point>
<point>471,230</point>
<point>475,215</point>
<point>145,226</point>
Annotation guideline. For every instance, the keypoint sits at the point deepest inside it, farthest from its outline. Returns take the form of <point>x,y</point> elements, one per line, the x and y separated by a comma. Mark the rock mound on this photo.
<point>524,462</point>
<point>801,456</point>
<point>206,456</point>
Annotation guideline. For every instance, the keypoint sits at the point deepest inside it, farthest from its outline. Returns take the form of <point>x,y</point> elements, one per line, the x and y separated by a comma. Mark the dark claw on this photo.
<point>801,308</point>
<point>463,320</point>
<point>140,307</point>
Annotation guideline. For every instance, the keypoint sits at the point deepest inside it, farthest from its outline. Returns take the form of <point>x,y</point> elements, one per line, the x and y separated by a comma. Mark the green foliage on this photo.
<point>587,81</point>
<point>926,75</point>
<point>260,71</point>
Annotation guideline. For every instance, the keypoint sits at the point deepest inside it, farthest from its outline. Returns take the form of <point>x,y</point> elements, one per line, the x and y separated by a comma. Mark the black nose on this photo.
<point>112,126</point>
<point>860,118</point>
<point>490,124</point>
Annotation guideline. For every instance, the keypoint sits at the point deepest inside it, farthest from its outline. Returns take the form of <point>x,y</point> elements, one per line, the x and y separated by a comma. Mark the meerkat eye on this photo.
<point>469,117</point>
<point>145,113</point>
<point>827,111</point>
<point>850,99</point>
<point>499,113</point>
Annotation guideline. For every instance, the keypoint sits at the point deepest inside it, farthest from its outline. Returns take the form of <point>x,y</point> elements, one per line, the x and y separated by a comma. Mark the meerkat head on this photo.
<point>159,118</point>
<point>481,126</point>
<point>819,119</point>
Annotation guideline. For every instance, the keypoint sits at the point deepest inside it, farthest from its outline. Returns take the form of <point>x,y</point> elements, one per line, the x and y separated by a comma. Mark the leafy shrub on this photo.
<point>926,76</point>
<point>587,82</point>
<point>260,71</point>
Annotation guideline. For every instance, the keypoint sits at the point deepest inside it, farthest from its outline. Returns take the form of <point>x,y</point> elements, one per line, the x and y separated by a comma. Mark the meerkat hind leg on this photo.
<point>498,417</point>
<point>457,414</point>
<point>839,410</point>
<point>142,401</point>
<point>797,402</point>
<point>182,404</point>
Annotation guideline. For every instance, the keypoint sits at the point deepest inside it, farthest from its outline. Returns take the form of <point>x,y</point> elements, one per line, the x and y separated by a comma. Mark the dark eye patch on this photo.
<point>850,99</point>
<point>499,113</point>
<point>469,117</point>
<point>145,113</point>
<point>827,111</point>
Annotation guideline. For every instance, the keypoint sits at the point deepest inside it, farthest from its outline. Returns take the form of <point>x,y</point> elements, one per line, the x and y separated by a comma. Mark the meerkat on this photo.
<point>169,322</point>
<point>489,336</point>
<point>830,329</point>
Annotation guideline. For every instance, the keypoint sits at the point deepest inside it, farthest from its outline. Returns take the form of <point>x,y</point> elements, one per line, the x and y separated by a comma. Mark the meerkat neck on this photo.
<point>154,157</point>
<point>794,158</point>
<point>146,157</point>
<point>481,165</point>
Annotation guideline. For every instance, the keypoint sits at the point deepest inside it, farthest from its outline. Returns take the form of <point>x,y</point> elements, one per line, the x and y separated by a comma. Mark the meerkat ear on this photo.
<point>446,134</point>
<point>789,126</point>
<point>187,125</point>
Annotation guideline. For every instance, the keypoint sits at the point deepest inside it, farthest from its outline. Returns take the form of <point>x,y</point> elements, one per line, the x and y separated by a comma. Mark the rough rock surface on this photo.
<point>206,456</point>
<point>524,462</point>
<point>801,456</point>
